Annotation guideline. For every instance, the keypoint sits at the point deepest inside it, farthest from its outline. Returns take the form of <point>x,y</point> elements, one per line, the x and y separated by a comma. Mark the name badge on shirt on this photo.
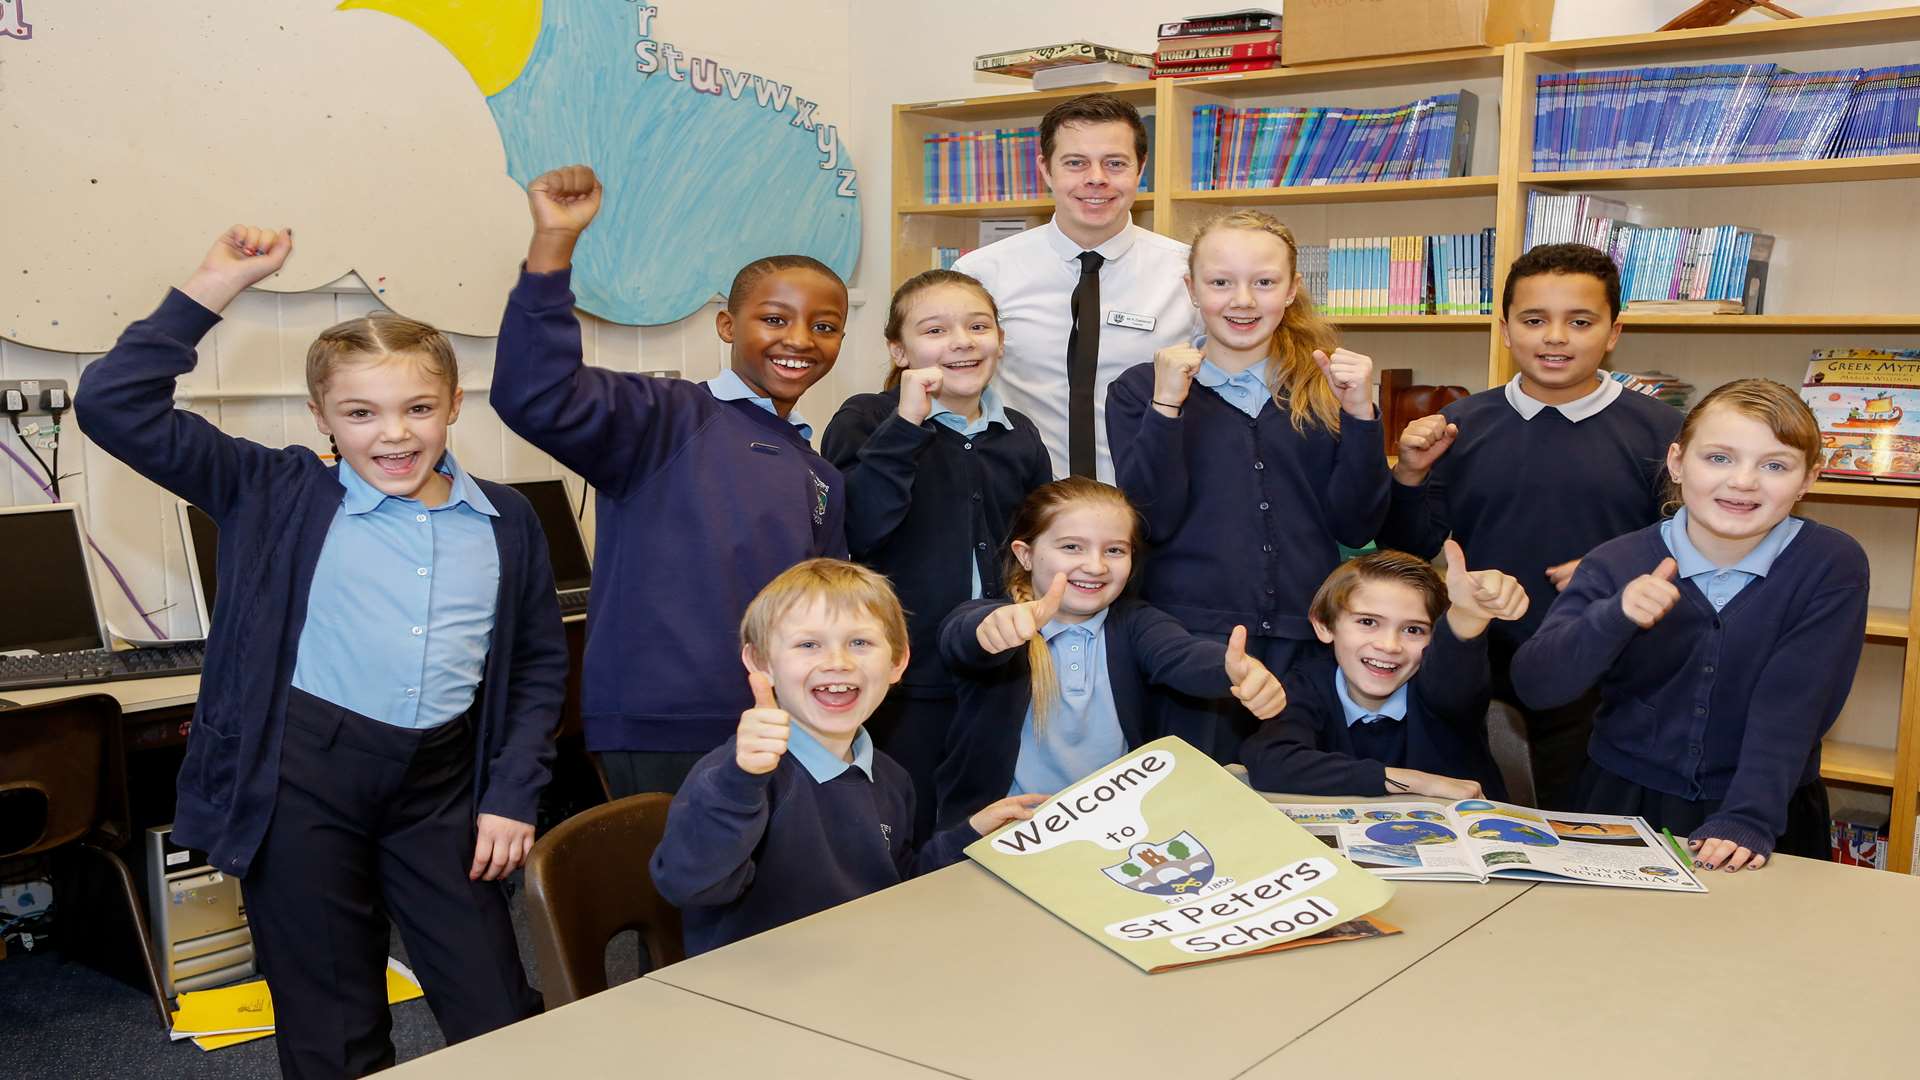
<point>1129,320</point>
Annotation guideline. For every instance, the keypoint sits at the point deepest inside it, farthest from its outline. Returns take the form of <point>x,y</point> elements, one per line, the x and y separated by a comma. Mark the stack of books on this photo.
<point>1401,275</point>
<point>1671,389</point>
<point>1024,63</point>
<point>1717,114</point>
<point>1674,270</point>
<point>1247,40</point>
<point>1287,146</point>
<point>945,257</point>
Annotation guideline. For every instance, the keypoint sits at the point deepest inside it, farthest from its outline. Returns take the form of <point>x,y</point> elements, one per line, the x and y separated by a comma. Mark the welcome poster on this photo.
<point>1166,859</point>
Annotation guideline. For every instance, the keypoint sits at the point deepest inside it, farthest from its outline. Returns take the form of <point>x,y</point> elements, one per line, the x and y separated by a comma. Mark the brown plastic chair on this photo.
<point>63,793</point>
<point>587,880</point>
<point>1512,751</point>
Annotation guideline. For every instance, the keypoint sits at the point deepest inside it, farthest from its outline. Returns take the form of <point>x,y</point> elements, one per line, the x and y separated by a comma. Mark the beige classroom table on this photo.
<point>959,972</point>
<point>134,695</point>
<point>1803,969</point>
<point>649,1029</point>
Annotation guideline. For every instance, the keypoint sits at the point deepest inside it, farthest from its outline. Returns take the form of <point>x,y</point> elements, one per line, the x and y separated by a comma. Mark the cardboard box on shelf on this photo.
<point>1318,31</point>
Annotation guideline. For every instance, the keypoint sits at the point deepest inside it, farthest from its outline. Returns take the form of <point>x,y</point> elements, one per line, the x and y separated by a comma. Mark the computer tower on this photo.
<point>199,920</point>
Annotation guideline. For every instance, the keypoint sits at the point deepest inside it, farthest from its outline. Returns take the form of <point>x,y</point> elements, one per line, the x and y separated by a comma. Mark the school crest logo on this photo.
<point>820,490</point>
<point>1174,868</point>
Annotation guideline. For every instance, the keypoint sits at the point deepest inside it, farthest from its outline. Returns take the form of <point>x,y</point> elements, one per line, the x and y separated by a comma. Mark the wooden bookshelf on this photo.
<point>1502,174</point>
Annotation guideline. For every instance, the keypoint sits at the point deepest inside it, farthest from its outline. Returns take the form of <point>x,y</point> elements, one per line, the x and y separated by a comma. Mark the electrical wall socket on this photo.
<point>34,391</point>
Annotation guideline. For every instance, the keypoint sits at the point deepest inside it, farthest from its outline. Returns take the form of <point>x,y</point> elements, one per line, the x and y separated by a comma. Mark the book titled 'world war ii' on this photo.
<point>1168,860</point>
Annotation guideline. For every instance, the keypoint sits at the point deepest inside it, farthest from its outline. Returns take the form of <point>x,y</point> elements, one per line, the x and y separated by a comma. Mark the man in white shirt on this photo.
<point>1089,269</point>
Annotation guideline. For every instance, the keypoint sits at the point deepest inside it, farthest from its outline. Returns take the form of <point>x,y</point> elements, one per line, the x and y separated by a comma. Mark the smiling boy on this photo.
<point>1532,475</point>
<point>798,812</point>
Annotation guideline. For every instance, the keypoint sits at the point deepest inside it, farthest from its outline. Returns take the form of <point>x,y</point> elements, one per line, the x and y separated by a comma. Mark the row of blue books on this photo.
<point>1719,114</point>
<point>1292,145</point>
<point>1401,275</point>
<point>1676,268</point>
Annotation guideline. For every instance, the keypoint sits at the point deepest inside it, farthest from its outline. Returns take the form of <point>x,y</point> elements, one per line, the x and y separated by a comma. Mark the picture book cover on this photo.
<point>1165,858</point>
<point>1868,404</point>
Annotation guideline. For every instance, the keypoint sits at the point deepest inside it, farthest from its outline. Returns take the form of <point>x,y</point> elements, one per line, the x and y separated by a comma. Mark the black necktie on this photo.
<point>1083,360</point>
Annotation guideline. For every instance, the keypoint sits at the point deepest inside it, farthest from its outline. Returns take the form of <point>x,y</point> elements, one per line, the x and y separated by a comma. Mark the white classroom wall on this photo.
<point>857,57</point>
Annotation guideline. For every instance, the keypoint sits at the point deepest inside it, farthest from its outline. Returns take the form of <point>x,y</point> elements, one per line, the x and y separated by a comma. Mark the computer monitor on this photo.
<point>50,606</point>
<point>201,539</point>
<point>571,568</point>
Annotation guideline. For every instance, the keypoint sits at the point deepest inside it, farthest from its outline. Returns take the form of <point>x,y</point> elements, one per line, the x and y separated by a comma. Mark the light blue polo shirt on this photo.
<point>1394,708</point>
<point>400,613</point>
<point>729,386</point>
<point>1083,730</point>
<point>820,762</point>
<point>1245,390</point>
<point>1720,584</point>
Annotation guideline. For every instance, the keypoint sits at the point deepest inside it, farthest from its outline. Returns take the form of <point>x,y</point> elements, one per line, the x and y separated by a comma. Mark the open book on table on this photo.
<point>1478,840</point>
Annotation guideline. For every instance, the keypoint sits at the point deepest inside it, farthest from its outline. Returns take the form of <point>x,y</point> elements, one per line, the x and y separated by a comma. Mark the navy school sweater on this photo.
<point>745,853</point>
<point>1309,749</point>
<point>1145,647</point>
<point>1245,516</point>
<point>1727,707</point>
<point>1522,495</point>
<point>274,508</point>
<point>700,503</point>
<point>924,501</point>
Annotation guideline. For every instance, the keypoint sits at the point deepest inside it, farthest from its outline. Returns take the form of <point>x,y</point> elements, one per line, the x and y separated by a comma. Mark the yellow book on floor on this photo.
<point>241,1013</point>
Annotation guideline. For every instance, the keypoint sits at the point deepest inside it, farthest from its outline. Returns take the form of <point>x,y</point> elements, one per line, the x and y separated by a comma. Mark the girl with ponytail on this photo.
<point>1071,655</point>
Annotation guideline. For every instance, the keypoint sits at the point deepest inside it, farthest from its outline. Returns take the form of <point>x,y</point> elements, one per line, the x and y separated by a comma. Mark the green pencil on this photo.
<point>1678,850</point>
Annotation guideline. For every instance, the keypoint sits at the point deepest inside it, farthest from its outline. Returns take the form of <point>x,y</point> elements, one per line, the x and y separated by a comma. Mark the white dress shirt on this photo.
<point>1032,277</point>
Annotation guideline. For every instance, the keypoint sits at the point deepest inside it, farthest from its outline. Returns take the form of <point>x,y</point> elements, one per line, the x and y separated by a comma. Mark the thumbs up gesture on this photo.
<point>917,389</point>
<point>762,735</point>
<point>1014,625</point>
<point>1173,371</point>
<point>1647,598</point>
<point>1476,597</point>
<point>1256,687</point>
<point>1351,376</point>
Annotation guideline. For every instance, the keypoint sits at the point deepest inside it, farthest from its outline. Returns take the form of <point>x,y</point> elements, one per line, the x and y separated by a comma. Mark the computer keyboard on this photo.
<point>574,602</point>
<point>99,665</point>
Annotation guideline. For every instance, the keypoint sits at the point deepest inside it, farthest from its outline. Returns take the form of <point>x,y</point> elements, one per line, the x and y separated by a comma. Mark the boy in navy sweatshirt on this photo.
<point>1534,474</point>
<point>705,491</point>
<point>798,812</point>
<point>1398,703</point>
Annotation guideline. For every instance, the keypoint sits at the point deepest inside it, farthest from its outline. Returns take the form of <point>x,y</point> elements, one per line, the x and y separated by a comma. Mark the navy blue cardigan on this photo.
<point>1724,707</point>
<point>274,508</point>
<point>1522,495</point>
<point>909,489</point>
<point>1245,516</point>
<point>747,852</point>
<point>1145,647</point>
<point>1309,750</point>
<point>699,504</point>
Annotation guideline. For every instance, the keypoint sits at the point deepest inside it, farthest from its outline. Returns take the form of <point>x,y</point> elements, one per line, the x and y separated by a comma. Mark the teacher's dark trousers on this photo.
<point>374,821</point>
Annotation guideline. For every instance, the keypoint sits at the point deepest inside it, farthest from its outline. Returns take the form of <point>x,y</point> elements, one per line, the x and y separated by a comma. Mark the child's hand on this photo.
<point>762,735</point>
<point>1716,854</point>
<point>1476,597</point>
<point>501,847</point>
<point>563,201</point>
<point>917,389</point>
<point>243,256</point>
<point>1173,370</point>
<point>1351,376</point>
<point>1011,626</point>
<point>1253,684</point>
<point>1421,444</point>
<point>1404,781</point>
<point>1647,598</point>
<point>1562,574</point>
<point>1011,808</point>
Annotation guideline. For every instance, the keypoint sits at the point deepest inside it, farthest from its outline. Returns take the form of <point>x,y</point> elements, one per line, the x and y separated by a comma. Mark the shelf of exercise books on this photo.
<point>1778,323</point>
<point>1030,104</point>
<point>1887,623</point>
<point>1760,174</point>
<point>1451,187</point>
<point>995,208</point>
<point>1853,763</point>
<point>1411,322</point>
